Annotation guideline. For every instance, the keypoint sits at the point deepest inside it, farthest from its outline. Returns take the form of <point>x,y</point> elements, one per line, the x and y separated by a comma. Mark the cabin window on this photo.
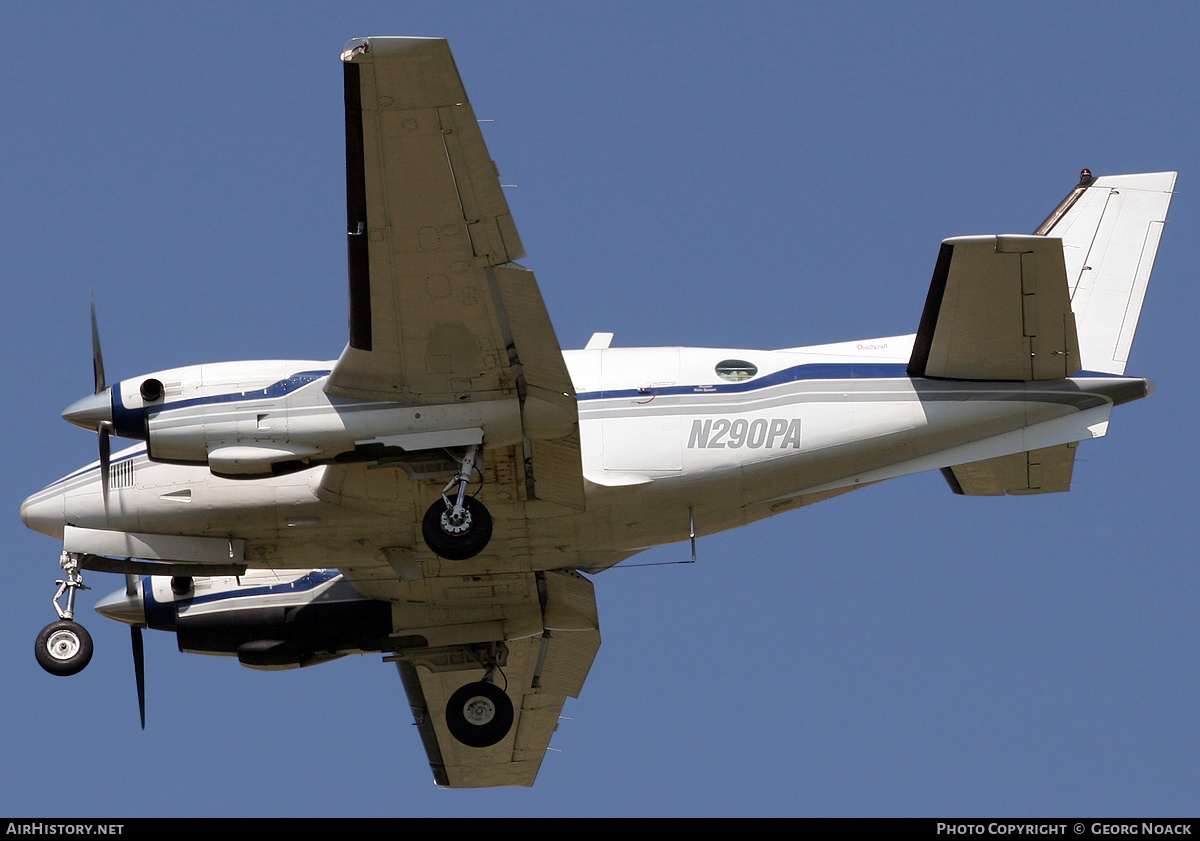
<point>736,370</point>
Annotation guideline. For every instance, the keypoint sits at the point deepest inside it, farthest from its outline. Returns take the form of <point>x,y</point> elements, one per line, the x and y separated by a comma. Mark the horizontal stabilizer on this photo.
<point>998,309</point>
<point>1047,470</point>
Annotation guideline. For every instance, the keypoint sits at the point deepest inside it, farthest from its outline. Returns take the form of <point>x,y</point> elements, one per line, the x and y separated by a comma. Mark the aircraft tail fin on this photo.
<point>1110,228</point>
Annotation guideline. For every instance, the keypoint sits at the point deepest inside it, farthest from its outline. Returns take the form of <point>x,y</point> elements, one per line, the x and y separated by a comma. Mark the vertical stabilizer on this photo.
<point>1110,228</point>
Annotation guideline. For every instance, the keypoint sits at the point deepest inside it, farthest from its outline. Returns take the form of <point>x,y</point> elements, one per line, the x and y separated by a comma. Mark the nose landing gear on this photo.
<point>63,648</point>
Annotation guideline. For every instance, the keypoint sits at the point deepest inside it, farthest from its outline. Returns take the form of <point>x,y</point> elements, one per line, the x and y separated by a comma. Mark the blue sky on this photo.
<point>688,174</point>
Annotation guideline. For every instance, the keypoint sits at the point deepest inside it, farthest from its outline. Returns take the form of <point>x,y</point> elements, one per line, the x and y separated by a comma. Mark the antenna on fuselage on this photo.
<point>691,538</point>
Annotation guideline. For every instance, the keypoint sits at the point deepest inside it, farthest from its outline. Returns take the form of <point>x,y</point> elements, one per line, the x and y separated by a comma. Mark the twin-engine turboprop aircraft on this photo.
<point>435,493</point>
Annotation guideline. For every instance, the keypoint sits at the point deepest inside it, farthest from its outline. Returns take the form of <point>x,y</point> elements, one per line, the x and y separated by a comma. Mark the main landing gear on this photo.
<point>480,714</point>
<point>458,527</point>
<point>65,647</point>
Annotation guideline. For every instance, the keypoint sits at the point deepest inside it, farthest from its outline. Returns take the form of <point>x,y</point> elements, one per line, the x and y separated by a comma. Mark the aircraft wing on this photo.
<point>439,312</point>
<point>520,592</point>
<point>998,309</point>
<point>538,671</point>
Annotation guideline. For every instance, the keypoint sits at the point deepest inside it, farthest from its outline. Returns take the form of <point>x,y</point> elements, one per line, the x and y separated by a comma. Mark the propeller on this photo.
<point>105,431</point>
<point>105,428</point>
<point>139,656</point>
<point>97,357</point>
<point>139,670</point>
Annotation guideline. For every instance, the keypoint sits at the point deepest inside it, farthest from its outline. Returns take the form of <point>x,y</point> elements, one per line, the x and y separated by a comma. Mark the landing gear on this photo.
<point>457,537</point>
<point>65,647</point>
<point>458,527</point>
<point>479,714</point>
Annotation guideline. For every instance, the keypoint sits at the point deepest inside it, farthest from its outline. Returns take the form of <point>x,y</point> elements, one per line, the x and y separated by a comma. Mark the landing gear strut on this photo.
<point>65,647</point>
<point>458,527</point>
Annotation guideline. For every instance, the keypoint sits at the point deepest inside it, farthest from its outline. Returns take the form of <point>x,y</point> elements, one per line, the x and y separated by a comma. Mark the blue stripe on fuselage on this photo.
<point>797,373</point>
<point>809,371</point>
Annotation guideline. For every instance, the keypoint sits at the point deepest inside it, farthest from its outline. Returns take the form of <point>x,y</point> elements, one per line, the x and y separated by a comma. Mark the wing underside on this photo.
<point>433,317</point>
<point>439,312</point>
<point>537,672</point>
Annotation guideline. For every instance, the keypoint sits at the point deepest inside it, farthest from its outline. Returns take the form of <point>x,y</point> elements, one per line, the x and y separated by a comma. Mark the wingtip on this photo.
<point>355,47</point>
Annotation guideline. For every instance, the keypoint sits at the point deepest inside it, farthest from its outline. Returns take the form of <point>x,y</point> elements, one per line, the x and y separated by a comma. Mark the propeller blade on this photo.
<point>105,430</point>
<point>97,357</point>
<point>139,658</point>
<point>139,670</point>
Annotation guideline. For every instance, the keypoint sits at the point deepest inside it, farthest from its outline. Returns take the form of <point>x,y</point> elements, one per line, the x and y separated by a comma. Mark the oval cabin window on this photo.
<point>736,370</point>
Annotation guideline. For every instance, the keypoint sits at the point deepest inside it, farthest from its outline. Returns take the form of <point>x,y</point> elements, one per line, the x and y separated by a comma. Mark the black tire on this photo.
<point>466,544</point>
<point>479,714</point>
<point>63,648</point>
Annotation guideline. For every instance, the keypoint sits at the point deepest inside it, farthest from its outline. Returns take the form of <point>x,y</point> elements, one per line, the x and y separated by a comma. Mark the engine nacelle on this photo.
<point>269,620</point>
<point>230,408</point>
<point>252,419</point>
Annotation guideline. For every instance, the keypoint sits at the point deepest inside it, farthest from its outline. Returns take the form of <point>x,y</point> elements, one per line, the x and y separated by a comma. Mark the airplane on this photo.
<point>442,491</point>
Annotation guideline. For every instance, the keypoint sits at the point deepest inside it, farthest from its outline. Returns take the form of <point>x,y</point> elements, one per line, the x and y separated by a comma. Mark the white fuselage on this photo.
<point>670,438</point>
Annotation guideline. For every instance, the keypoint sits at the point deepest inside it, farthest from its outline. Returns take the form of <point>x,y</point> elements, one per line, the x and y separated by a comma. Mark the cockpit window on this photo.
<point>736,370</point>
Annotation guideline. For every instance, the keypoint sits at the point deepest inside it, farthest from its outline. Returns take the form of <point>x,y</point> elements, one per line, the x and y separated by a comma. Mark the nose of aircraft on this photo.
<point>91,410</point>
<point>43,512</point>
<point>123,607</point>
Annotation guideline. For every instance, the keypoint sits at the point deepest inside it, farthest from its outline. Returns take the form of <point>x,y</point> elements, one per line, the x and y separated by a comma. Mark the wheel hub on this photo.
<point>63,645</point>
<point>479,711</point>
<point>456,525</point>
